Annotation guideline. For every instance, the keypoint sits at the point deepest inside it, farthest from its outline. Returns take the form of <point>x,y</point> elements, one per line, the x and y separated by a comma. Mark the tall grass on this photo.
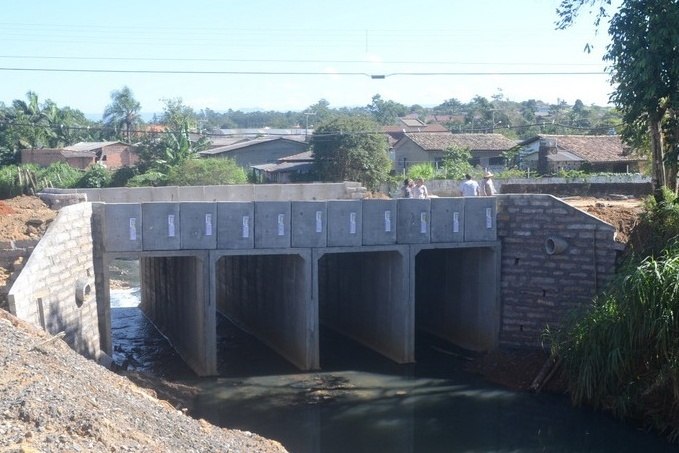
<point>29,179</point>
<point>623,353</point>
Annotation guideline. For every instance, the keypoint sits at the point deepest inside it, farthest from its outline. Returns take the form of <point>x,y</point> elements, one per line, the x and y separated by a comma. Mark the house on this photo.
<point>552,153</point>
<point>288,169</point>
<point>418,147</point>
<point>395,133</point>
<point>259,150</point>
<point>112,155</point>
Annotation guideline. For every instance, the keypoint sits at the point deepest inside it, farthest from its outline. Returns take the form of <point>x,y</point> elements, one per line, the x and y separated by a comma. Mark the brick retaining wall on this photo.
<point>539,289</point>
<point>55,289</point>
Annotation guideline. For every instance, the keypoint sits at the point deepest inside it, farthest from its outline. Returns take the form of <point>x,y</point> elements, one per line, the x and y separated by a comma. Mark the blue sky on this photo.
<point>302,51</point>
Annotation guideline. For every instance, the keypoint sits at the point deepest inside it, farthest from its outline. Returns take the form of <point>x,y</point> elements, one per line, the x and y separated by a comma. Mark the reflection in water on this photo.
<point>363,402</point>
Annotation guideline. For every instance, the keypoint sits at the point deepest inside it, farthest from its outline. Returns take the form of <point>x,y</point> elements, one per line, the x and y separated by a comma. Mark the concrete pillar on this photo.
<point>268,294</point>
<point>456,293</point>
<point>364,293</point>
<point>176,298</point>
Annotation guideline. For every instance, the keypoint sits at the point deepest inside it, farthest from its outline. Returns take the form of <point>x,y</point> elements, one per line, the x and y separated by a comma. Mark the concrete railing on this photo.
<point>131,227</point>
<point>236,192</point>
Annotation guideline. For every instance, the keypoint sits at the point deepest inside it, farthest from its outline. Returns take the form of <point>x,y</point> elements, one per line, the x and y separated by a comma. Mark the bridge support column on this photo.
<point>366,296</point>
<point>267,292</point>
<point>176,298</point>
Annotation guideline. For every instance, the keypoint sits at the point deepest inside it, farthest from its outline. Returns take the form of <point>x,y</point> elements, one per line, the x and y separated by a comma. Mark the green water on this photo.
<point>361,402</point>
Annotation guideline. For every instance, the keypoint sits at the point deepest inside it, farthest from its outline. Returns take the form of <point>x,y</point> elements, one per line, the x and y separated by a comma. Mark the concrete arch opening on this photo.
<point>457,295</point>
<point>365,296</point>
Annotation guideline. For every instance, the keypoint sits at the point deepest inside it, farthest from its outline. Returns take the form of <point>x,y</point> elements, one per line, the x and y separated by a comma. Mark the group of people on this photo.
<point>471,188</point>
<point>415,189</point>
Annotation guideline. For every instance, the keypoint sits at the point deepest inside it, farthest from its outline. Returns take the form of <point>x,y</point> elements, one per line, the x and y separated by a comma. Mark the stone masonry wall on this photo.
<point>540,283</point>
<point>55,289</point>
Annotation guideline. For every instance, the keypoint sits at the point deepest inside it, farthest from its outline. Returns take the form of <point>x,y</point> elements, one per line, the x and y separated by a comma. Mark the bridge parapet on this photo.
<point>157,226</point>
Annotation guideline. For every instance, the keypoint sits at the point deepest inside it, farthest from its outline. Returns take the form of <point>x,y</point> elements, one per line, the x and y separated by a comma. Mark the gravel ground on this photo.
<point>54,400</point>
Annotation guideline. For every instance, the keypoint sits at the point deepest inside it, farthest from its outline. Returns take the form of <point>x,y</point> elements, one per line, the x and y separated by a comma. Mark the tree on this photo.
<point>351,149</point>
<point>205,172</point>
<point>177,116</point>
<point>456,162</point>
<point>644,63</point>
<point>123,113</point>
<point>386,112</point>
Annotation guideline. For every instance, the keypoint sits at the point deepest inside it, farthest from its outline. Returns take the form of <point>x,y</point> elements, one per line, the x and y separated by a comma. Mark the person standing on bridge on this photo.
<point>487,187</point>
<point>408,186</point>
<point>421,190</point>
<point>469,187</point>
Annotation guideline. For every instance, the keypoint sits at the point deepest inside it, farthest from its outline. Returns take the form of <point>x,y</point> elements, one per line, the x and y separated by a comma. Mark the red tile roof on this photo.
<point>592,148</point>
<point>438,141</point>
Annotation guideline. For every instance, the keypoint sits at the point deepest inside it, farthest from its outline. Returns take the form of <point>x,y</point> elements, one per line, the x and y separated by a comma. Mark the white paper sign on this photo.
<point>423,222</point>
<point>170,226</point>
<point>133,229</point>
<point>456,222</point>
<point>319,221</point>
<point>208,224</point>
<point>281,224</point>
<point>352,223</point>
<point>246,226</point>
<point>489,218</point>
<point>387,221</point>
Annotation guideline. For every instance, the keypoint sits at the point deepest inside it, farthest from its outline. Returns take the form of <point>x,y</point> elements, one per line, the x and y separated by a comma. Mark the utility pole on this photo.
<point>306,127</point>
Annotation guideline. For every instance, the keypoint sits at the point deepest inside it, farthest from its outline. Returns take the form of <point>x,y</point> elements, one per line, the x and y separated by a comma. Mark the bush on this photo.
<point>121,176</point>
<point>206,172</point>
<point>149,179</point>
<point>96,176</point>
<point>58,174</point>
<point>623,354</point>
<point>424,171</point>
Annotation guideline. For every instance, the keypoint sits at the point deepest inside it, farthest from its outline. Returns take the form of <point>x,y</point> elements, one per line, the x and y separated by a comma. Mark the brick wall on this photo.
<point>538,288</point>
<point>55,289</point>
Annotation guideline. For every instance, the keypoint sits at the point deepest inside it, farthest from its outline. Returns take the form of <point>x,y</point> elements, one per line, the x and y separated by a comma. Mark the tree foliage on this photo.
<point>122,114</point>
<point>644,65</point>
<point>205,172</point>
<point>350,148</point>
<point>456,162</point>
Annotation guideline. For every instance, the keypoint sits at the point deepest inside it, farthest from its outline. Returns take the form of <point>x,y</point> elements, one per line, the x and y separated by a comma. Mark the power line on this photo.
<point>304,73</point>
<point>286,60</point>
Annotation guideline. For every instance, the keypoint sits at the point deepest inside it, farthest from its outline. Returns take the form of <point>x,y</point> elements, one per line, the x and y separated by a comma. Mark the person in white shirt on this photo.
<point>420,189</point>
<point>469,187</point>
<point>487,187</point>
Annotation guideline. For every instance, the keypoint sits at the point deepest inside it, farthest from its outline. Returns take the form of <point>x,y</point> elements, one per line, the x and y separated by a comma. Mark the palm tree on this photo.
<point>123,112</point>
<point>30,121</point>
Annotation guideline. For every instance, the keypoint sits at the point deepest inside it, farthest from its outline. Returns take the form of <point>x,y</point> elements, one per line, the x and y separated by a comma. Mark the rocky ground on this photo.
<point>52,399</point>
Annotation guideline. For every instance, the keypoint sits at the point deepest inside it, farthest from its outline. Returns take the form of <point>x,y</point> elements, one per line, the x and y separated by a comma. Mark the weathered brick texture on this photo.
<point>539,289</point>
<point>46,293</point>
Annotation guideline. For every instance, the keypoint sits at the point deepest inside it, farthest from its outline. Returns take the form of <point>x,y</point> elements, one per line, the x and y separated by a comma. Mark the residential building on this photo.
<point>418,147</point>
<point>548,154</point>
<point>259,150</point>
<point>287,169</point>
<point>112,155</point>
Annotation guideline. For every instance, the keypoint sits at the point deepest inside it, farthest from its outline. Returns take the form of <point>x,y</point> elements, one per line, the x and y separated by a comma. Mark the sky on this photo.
<point>276,55</point>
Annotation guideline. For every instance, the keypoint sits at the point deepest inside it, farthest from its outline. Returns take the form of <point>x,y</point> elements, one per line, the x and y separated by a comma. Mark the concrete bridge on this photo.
<point>374,270</point>
<point>477,272</point>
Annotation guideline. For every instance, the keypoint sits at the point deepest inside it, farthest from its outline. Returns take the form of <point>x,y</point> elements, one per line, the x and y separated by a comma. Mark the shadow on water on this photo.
<point>362,402</point>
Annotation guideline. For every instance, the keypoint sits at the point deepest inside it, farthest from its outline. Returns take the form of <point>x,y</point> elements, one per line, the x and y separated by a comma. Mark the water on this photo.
<point>362,402</point>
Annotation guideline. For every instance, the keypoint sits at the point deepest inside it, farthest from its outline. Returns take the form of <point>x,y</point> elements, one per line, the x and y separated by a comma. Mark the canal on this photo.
<point>362,402</point>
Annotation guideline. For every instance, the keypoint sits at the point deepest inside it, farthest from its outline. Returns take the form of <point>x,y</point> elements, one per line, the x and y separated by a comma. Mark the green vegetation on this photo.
<point>29,179</point>
<point>456,163</point>
<point>643,64</point>
<point>622,353</point>
<point>424,170</point>
<point>348,148</point>
<point>205,172</point>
